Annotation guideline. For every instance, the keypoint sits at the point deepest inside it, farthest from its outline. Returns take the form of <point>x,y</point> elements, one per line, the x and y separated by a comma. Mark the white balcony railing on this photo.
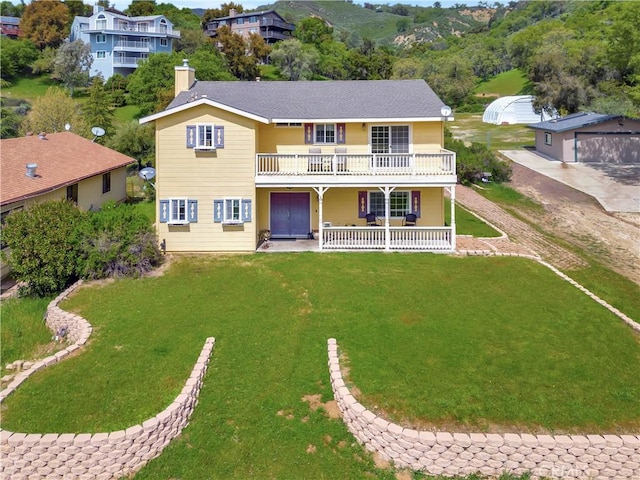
<point>131,45</point>
<point>441,163</point>
<point>400,238</point>
<point>128,61</point>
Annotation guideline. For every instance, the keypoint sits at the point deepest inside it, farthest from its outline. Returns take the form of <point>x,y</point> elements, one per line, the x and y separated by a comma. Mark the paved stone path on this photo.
<point>522,238</point>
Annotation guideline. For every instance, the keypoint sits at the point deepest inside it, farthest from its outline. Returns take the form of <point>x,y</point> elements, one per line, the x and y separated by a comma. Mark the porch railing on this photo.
<point>440,163</point>
<point>400,238</point>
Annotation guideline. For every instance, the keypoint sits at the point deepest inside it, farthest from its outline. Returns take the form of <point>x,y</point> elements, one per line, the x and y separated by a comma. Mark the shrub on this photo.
<point>44,246</point>
<point>119,241</point>
<point>474,161</point>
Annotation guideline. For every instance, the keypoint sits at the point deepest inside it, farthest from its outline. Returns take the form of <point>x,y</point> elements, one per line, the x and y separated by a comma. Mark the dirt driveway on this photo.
<point>568,214</point>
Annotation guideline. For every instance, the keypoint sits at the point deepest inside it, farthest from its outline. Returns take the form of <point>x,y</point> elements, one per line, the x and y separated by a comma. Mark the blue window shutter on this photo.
<point>415,202</point>
<point>341,133</point>
<point>246,209</point>
<point>218,210</point>
<point>164,211</point>
<point>191,136</point>
<point>218,136</point>
<point>362,204</point>
<point>308,133</point>
<point>192,210</point>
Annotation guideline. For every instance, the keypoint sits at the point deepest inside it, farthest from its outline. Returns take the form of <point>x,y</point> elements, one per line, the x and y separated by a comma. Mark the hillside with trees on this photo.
<point>574,55</point>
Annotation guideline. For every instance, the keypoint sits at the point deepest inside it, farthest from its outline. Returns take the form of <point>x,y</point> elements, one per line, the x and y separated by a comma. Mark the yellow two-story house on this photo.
<point>354,164</point>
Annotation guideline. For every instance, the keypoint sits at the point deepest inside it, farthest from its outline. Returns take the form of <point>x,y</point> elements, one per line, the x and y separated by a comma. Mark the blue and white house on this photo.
<point>119,43</point>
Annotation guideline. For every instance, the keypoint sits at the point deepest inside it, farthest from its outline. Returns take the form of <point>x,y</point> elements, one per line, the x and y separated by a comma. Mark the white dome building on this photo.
<point>513,109</point>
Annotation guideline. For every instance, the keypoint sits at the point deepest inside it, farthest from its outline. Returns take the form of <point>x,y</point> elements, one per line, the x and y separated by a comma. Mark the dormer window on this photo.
<point>101,22</point>
<point>163,26</point>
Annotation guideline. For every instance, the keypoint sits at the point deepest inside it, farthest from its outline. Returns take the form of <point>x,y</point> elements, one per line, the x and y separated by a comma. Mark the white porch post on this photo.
<point>453,216</point>
<point>320,191</point>
<point>387,212</point>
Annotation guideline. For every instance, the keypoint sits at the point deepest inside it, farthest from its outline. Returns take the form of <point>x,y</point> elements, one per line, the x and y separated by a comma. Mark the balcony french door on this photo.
<point>389,140</point>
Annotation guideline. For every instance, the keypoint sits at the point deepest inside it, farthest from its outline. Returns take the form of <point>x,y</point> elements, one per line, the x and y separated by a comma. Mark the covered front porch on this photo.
<point>358,217</point>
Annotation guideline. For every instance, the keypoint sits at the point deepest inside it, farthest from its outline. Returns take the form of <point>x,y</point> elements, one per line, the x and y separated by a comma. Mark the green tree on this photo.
<point>45,23</point>
<point>44,62</point>
<point>210,65</point>
<point>9,122</point>
<point>134,140</point>
<point>52,111</point>
<point>314,31</point>
<point>115,87</point>
<point>151,84</point>
<point>15,56</point>
<point>98,111</point>
<point>43,246</point>
<point>234,49</point>
<point>72,64</point>
<point>8,9</point>
<point>295,60</point>
<point>451,77</point>
<point>190,40</point>
<point>258,48</point>
<point>139,8</point>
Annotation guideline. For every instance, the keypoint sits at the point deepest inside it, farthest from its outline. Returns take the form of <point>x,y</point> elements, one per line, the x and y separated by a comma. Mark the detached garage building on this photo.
<point>589,137</point>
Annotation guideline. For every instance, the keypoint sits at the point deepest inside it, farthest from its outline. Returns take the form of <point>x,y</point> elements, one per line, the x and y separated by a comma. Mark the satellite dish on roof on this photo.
<point>98,132</point>
<point>67,126</point>
<point>147,173</point>
<point>445,111</point>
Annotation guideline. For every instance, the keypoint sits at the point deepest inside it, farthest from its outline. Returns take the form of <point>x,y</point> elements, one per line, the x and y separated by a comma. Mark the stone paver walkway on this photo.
<point>522,238</point>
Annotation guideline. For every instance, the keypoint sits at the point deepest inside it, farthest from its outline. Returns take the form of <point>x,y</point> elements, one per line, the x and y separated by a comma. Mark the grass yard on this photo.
<point>467,223</point>
<point>513,82</point>
<point>469,343</point>
<point>469,127</point>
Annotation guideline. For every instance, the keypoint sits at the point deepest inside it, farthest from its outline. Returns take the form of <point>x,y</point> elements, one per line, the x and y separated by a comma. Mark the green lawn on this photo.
<point>464,343</point>
<point>513,82</point>
<point>470,128</point>
<point>29,88</point>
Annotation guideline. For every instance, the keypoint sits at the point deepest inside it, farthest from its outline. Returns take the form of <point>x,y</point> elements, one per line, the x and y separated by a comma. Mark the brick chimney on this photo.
<point>233,12</point>
<point>185,76</point>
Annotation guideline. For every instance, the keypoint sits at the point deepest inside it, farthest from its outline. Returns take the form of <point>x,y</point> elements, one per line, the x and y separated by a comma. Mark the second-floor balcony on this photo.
<point>344,168</point>
<point>131,62</point>
<point>132,46</point>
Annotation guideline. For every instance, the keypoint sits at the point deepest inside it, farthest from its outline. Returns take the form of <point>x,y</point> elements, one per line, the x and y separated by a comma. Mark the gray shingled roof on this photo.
<point>301,101</point>
<point>573,121</point>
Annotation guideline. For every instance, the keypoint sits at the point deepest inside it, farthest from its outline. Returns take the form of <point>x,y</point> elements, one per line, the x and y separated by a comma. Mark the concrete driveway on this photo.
<point>616,188</point>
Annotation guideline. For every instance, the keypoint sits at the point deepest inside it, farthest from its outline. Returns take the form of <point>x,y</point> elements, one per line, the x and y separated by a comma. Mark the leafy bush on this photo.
<point>118,241</point>
<point>475,161</point>
<point>53,244</point>
<point>44,246</point>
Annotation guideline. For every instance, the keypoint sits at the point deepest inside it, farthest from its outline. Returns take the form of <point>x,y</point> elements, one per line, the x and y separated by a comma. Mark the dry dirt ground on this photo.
<point>577,218</point>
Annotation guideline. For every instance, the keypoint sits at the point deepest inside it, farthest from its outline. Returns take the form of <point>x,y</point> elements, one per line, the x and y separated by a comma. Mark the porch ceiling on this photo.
<point>346,181</point>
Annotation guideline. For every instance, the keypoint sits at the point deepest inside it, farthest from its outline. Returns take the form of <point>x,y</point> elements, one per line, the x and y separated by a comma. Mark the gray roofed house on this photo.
<point>355,165</point>
<point>334,100</point>
<point>589,137</point>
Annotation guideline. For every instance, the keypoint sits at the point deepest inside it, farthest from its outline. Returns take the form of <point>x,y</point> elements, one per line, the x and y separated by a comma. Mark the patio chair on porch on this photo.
<point>341,159</point>
<point>410,220</point>
<point>315,159</point>
<point>373,221</point>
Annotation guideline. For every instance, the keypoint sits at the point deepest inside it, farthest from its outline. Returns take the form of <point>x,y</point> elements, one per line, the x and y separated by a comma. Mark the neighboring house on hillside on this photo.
<point>119,43</point>
<point>359,163</point>
<point>58,166</point>
<point>271,26</point>
<point>589,137</point>
<point>10,27</point>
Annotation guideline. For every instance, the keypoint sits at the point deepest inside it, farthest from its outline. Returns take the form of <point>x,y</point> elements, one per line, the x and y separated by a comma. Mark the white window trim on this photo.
<point>199,143</point>
<point>408,194</point>
<point>315,138</point>
<point>101,36</point>
<point>547,138</point>
<point>185,221</point>
<point>99,52</point>
<point>164,42</point>
<point>232,221</point>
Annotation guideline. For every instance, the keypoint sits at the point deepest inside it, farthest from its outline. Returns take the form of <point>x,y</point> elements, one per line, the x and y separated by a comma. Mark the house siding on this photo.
<point>206,176</point>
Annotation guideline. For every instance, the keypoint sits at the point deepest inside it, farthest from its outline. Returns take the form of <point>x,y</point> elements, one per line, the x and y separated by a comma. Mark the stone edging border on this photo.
<point>626,319</point>
<point>449,454</point>
<point>101,455</point>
